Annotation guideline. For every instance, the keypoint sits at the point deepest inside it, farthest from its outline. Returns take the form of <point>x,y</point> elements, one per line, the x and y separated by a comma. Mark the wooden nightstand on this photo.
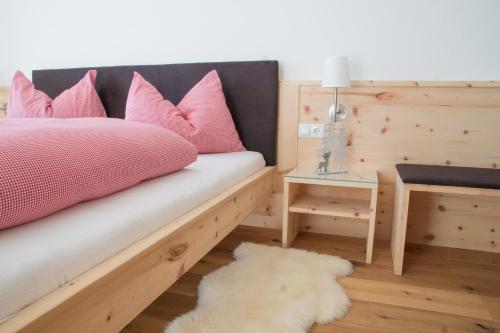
<point>352,195</point>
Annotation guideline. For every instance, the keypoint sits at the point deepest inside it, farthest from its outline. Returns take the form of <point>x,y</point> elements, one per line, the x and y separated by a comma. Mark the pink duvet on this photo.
<point>49,164</point>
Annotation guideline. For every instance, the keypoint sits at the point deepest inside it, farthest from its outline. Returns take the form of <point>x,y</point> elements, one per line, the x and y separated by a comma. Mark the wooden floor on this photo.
<point>442,289</point>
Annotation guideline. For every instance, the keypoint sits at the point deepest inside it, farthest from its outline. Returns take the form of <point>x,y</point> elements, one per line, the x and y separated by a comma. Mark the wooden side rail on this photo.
<point>110,295</point>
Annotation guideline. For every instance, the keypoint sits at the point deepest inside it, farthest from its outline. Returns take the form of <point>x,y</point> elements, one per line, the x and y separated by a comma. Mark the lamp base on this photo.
<point>341,113</point>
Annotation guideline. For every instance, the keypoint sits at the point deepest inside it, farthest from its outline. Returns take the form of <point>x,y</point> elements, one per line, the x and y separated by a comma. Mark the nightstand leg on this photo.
<point>371,225</point>
<point>291,222</point>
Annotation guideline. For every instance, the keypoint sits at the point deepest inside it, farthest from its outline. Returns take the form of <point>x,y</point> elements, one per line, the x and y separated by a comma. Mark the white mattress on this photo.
<point>40,256</point>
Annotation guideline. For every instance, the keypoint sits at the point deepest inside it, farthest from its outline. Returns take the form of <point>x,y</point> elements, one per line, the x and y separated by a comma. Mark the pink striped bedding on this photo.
<point>49,164</point>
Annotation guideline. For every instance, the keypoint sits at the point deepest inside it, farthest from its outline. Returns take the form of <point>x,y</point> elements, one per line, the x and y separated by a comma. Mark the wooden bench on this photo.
<point>439,179</point>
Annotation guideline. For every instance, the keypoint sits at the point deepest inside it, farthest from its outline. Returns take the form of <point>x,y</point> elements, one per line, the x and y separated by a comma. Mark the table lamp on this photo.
<point>336,75</point>
<point>333,145</point>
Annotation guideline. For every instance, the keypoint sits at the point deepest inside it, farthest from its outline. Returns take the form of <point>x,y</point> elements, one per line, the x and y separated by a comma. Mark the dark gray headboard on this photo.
<point>250,87</point>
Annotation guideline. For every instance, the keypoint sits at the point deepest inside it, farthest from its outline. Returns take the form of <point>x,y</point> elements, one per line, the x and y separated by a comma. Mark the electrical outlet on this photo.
<point>307,130</point>
<point>317,130</point>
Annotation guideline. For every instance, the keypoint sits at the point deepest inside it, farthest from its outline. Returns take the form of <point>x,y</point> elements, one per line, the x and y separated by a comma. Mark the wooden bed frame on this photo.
<point>108,296</point>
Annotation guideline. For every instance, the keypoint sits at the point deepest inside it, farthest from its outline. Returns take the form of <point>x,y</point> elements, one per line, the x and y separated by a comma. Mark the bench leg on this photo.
<point>291,221</point>
<point>371,225</point>
<point>399,224</point>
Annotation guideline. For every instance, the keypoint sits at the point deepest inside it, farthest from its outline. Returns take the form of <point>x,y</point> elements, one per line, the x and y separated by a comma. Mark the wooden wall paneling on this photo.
<point>341,226</point>
<point>336,191</point>
<point>455,221</point>
<point>444,123</point>
<point>389,125</point>
<point>287,126</point>
<point>270,213</point>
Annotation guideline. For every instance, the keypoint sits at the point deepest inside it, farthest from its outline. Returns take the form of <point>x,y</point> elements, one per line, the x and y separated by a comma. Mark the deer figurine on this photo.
<point>324,164</point>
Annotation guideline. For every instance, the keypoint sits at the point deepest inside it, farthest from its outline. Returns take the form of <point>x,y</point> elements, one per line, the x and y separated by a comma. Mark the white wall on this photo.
<point>385,39</point>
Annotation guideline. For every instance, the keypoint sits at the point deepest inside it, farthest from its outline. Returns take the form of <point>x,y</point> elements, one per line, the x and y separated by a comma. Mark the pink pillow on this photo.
<point>51,164</point>
<point>202,117</point>
<point>79,101</point>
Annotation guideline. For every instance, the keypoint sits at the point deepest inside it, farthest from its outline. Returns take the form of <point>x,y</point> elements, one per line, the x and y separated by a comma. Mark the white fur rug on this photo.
<point>268,290</point>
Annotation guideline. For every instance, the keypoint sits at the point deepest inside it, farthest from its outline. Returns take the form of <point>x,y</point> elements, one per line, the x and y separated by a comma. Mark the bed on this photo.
<point>94,266</point>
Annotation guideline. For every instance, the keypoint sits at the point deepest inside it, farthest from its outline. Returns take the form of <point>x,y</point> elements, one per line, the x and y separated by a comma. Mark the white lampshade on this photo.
<point>336,73</point>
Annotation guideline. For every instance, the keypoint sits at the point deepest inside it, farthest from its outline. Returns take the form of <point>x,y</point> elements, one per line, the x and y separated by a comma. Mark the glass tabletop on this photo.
<point>358,176</point>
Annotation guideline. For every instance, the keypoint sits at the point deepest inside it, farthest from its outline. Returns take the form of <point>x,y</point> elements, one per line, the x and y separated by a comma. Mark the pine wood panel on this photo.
<point>287,129</point>
<point>443,289</point>
<point>443,123</point>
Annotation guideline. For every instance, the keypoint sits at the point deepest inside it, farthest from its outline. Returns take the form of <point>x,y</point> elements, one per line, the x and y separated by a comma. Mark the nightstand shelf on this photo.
<point>350,195</point>
<point>331,206</point>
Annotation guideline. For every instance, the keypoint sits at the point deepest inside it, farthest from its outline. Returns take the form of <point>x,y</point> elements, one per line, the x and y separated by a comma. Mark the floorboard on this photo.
<point>441,290</point>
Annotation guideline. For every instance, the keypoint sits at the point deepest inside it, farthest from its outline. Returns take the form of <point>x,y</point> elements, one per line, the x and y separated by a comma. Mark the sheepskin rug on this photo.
<point>268,290</point>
